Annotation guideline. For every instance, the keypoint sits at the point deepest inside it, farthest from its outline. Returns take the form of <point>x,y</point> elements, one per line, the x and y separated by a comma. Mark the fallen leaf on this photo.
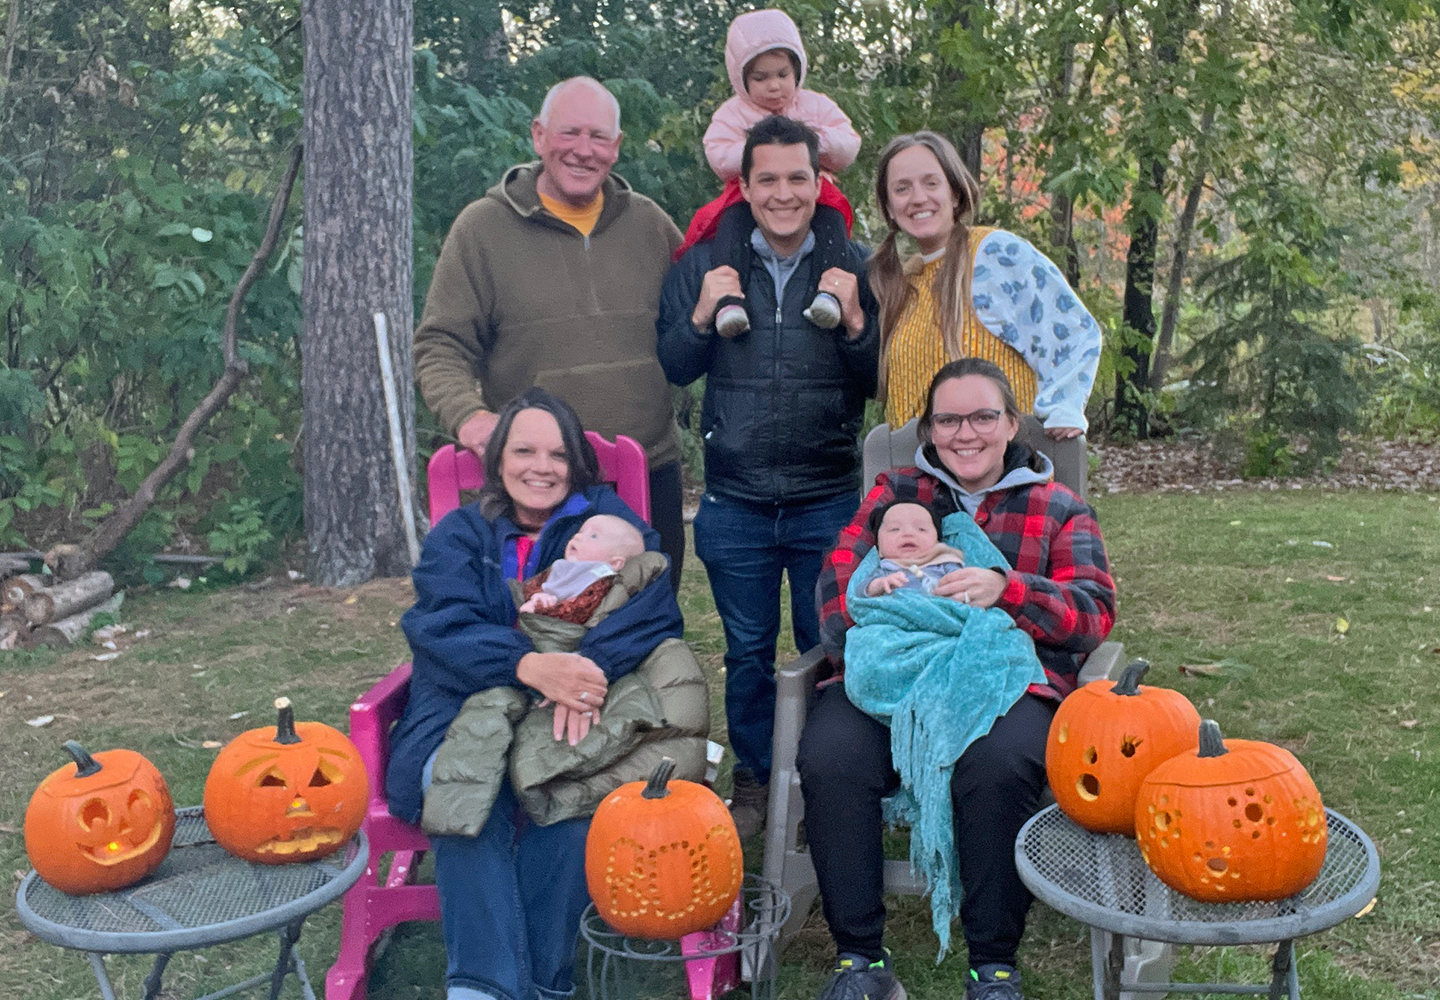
<point>1368,907</point>
<point>212,744</point>
<point>351,599</point>
<point>180,582</point>
<point>40,721</point>
<point>1235,524</point>
<point>7,828</point>
<point>293,574</point>
<point>1409,723</point>
<point>1342,626</point>
<point>238,715</point>
<point>1322,545</point>
<point>1218,668</point>
<point>144,633</point>
<point>1335,579</point>
<point>102,657</point>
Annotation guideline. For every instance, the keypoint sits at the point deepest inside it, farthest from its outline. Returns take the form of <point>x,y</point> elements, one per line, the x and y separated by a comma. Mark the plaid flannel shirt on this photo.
<point>1059,589</point>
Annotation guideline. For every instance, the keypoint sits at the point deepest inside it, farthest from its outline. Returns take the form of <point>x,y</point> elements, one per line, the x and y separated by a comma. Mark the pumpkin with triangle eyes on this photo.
<point>100,823</point>
<point>293,793</point>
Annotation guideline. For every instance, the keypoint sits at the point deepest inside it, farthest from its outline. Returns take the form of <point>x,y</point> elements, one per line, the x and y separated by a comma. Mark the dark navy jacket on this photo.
<point>783,401</point>
<point>462,626</point>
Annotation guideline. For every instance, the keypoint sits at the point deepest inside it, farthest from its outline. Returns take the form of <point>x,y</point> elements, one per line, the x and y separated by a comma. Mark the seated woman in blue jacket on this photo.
<point>511,897</point>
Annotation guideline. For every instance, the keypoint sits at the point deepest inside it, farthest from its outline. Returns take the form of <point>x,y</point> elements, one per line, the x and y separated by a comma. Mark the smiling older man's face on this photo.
<point>578,143</point>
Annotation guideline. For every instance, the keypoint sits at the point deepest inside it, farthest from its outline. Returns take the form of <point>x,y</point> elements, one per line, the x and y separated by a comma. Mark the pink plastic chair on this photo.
<point>377,903</point>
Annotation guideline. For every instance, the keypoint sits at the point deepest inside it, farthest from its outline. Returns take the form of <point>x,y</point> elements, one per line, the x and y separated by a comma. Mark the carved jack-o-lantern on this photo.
<point>100,823</point>
<point>294,793</point>
<point>1233,820</point>
<point>662,858</point>
<point>1105,738</point>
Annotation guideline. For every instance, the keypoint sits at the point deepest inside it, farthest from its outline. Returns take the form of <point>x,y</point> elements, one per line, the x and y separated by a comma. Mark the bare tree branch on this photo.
<point>111,531</point>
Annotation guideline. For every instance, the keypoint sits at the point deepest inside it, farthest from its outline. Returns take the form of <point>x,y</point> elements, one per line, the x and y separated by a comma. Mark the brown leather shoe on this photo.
<point>749,803</point>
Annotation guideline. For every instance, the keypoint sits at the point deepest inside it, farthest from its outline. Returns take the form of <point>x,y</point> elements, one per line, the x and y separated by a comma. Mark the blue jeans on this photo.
<point>745,548</point>
<point>510,904</point>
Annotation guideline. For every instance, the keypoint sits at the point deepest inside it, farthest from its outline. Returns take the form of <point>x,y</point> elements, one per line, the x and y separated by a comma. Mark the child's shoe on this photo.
<point>731,321</point>
<point>824,312</point>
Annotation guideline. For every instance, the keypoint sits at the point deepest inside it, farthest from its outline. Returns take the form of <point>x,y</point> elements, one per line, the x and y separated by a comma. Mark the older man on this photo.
<point>782,412</point>
<point>552,279</point>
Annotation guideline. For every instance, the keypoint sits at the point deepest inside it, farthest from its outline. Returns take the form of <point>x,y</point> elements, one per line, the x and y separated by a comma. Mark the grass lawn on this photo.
<point>1202,579</point>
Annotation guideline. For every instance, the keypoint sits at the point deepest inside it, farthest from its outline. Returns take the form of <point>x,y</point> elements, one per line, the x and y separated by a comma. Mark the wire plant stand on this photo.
<point>620,967</point>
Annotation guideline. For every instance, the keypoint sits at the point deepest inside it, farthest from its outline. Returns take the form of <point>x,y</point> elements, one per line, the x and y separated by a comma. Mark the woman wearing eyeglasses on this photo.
<point>1057,589</point>
<point>971,291</point>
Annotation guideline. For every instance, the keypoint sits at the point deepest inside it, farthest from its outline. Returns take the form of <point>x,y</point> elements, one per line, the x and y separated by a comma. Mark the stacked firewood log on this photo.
<point>50,610</point>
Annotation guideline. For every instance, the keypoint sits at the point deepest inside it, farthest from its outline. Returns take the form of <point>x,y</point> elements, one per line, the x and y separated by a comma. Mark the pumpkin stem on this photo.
<point>1211,743</point>
<point>655,787</point>
<point>85,765</point>
<point>285,722</point>
<point>1129,682</point>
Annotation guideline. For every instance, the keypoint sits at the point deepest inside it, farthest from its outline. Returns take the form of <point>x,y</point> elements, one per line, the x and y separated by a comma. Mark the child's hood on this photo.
<point>757,32</point>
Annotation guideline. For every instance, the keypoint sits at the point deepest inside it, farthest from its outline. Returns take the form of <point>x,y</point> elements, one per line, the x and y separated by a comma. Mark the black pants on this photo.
<point>732,244</point>
<point>845,771</point>
<point>666,517</point>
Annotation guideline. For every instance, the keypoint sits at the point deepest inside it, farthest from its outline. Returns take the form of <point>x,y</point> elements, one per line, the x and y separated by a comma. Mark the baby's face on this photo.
<point>906,531</point>
<point>598,540</point>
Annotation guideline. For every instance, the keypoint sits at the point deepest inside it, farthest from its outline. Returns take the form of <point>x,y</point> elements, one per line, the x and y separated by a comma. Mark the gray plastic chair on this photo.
<point>787,860</point>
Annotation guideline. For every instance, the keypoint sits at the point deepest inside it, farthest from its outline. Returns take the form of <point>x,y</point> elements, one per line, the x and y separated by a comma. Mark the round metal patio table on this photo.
<point>200,896</point>
<point>1101,880</point>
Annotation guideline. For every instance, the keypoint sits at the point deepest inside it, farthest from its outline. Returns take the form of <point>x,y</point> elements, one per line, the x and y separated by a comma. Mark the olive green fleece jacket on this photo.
<point>520,298</point>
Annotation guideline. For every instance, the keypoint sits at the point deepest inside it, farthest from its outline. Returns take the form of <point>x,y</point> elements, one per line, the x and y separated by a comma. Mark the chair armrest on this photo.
<point>794,685</point>
<point>371,716</point>
<point>1106,663</point>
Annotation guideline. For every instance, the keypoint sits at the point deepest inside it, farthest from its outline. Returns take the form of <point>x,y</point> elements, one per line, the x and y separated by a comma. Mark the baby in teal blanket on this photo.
<point>938,672</point>
<point>912,557</point>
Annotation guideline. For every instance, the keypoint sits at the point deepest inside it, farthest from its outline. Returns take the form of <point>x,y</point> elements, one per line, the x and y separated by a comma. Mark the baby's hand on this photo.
<point>540,602</point>
<point>885,584</point>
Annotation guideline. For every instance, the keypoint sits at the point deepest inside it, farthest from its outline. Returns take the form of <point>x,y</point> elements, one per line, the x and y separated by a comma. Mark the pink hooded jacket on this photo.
<point>751,35</point>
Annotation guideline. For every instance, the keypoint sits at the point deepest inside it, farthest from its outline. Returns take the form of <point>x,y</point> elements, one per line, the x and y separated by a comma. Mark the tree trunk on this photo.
<point>1131,413</point>
<point>358,249</point>
<point>17,588</point>
<point>1175,285</point>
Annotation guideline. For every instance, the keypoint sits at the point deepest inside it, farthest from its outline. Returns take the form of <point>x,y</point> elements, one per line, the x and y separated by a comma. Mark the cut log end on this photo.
<point>66,599</point>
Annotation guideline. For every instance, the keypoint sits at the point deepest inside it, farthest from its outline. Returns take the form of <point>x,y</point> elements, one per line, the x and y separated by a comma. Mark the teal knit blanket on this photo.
<point>938,673</point>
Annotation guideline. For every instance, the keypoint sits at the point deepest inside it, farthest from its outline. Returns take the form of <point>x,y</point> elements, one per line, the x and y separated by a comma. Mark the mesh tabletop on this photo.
<point>1102,880</point>
<point>199,896</point>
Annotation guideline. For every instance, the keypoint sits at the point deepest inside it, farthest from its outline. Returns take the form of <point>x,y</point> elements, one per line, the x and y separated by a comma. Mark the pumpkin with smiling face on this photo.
<point>293,793</point>
<point>100,823</point>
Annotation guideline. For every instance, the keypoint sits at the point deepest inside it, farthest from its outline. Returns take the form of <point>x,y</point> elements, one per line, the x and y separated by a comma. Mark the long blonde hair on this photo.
<point>887,273</point>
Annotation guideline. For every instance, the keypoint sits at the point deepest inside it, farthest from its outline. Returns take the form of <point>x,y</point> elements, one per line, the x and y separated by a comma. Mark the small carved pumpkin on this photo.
<point>294,793</point>
<point>1105,738</point>
<point>1235,820</point>
<point>100,823</point>
<point>662,858</point>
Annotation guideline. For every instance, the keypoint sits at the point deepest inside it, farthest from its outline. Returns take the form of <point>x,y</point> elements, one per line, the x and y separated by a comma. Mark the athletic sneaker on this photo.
<point>994,982</point>
<point>731,321</point>
<point>824,312</point>
<point>858,978</point>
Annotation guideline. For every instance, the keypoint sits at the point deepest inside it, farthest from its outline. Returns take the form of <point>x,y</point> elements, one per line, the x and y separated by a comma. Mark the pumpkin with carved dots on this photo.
<point>662,858</point>
<point>1235,820</point>
<point>295,792</point>
<point>1105,738</point>
<point>101,823</point>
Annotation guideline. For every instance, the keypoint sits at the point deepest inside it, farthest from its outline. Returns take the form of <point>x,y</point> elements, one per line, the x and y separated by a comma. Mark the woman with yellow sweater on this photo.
<point>971,291</point>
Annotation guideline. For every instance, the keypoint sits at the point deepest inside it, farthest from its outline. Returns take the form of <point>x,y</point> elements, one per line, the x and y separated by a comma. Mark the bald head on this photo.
<point>574,84</point>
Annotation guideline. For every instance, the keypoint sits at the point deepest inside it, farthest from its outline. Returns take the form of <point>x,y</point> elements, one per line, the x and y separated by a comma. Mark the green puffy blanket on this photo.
<point>938,673</point>
<point>660,709</point>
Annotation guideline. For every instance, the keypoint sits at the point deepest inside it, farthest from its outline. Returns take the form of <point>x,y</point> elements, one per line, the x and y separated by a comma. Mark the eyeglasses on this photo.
<point>981,421</point>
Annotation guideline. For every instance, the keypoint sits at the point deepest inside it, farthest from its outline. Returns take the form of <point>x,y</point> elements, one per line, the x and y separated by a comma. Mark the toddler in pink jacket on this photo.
<point>766,62</point>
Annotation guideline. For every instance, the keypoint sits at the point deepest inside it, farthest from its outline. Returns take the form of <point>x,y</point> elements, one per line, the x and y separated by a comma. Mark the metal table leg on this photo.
<point>1284,976</point>
<point>152,981</point>
<point>1107,958</point>
<point>97,965</point>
